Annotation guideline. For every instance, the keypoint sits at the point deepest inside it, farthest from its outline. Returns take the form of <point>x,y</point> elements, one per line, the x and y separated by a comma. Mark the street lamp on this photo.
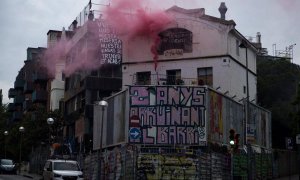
<point>50,121</point>
<point>5,134</point>
<point>103,105</point>
<point>21,130</point>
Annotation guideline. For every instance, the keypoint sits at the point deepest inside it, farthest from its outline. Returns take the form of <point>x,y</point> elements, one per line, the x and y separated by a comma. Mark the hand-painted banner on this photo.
<point>110,44</point>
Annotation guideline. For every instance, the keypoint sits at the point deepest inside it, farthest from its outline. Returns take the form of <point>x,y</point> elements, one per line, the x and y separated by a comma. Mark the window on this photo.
<point>205,76</point>
<point>66,166</point>
<point>174,77</point>
<point>143,78</point>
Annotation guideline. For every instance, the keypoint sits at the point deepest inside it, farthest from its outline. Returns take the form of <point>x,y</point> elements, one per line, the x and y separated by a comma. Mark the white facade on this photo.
<point>57,88</point>
<point>214,44</point>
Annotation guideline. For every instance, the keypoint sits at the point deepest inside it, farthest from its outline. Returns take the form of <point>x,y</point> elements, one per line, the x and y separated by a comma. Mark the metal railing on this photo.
<point>162,79</point>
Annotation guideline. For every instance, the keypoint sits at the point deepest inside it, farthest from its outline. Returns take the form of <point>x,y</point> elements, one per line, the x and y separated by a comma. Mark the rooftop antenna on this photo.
<point>274,49</point>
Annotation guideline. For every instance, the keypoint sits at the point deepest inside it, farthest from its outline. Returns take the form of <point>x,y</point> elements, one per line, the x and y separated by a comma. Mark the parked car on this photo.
<point>59,169</point>
<point>7,166</point>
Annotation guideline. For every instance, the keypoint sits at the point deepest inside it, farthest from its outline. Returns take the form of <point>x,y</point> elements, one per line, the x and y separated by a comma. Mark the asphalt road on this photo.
<point>13,177</point>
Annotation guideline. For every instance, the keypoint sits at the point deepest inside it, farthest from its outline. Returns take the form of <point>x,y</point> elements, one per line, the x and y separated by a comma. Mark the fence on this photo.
<point>152,163</point>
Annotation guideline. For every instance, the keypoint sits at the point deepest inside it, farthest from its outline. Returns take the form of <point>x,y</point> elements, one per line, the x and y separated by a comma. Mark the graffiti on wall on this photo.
<point>167,115</point>
<point>156,166</point>
<point>216,117</point>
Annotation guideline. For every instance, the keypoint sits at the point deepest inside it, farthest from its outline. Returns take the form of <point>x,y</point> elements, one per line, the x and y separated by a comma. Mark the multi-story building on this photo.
<point>30,87</point>
<point>85,86</point>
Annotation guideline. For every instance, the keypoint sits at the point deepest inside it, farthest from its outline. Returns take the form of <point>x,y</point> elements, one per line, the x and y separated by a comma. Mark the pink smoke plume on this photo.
<point>128,17</point>
<point>138,21</point>
<point>82,58</point>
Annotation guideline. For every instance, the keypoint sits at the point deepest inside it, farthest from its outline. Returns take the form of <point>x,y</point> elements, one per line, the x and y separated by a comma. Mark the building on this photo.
<point>30,87</point>
<point>174,110</point>
<point>88,84</point>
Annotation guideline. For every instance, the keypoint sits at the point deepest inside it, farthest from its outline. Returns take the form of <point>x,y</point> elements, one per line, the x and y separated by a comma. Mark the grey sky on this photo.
<point>25,23</point>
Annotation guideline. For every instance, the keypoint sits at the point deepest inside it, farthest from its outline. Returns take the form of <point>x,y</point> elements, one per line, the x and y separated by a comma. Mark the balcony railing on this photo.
<point>19,84</point>
<point>28,87</point>
<point>160,79</point>
<point>19,99</point>
<point>39,77</point>
<point>39,96</point>
<point>12,93</point>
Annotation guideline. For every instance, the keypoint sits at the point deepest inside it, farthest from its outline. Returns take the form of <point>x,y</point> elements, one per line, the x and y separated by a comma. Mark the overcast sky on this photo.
<point>25,23</point>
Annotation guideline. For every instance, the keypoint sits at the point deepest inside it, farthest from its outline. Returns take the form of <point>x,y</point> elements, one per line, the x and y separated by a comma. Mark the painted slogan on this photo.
<point>110,44</point>
<point>175,42</point>
<point>165,115</point>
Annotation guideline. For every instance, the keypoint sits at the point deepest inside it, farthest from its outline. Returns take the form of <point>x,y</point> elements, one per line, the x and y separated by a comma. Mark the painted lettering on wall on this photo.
<point>110,44</point>
<point>167,115</point>
<point>175,39</point>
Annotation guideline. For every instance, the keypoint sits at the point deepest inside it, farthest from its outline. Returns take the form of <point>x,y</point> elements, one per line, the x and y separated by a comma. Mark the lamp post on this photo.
<point>50,122</point>
<point>5,134</point>
<point>21,130</point>
<point>103,105</point>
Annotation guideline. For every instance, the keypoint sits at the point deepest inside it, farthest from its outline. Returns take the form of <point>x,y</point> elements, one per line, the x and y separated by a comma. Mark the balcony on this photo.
<point>103,83</point>
<point>19,84</point>
<point>28,87</point>
<point>12,93</point>
<point>17,115</point>
<point>27,105</point>
<point>39,96</point>
<point>19,99</point>
<point>39,77</point>
<point>160,79</point>
<point>11,107</point>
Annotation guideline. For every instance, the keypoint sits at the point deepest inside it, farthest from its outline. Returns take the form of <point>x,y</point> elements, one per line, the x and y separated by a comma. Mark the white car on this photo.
<point>59,169</point>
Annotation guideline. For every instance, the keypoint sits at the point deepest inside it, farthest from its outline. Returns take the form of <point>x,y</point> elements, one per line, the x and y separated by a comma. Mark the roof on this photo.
<point>200,13</point>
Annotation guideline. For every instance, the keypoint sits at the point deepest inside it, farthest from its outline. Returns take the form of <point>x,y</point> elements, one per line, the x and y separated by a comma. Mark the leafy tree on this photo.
<point>277,83</point>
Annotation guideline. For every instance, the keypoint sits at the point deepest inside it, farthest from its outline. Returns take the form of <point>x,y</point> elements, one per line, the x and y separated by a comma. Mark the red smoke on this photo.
<point>128,17</point>
<point>138,21</point>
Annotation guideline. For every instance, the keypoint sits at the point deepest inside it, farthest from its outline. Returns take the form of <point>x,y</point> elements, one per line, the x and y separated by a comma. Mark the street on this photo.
<point>13,177</point>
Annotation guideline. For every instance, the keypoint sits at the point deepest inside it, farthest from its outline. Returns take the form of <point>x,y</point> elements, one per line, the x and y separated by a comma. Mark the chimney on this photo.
<point>258,37</point>
<point>222,10</point>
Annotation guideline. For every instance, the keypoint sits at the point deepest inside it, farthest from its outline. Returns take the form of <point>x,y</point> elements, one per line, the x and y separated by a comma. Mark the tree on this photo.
<point>277,83</point>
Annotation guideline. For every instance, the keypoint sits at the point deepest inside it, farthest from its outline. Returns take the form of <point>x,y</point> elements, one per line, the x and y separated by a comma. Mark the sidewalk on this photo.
<point>292,177</point>
<point>24,172</point>
<point>31,176</point>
